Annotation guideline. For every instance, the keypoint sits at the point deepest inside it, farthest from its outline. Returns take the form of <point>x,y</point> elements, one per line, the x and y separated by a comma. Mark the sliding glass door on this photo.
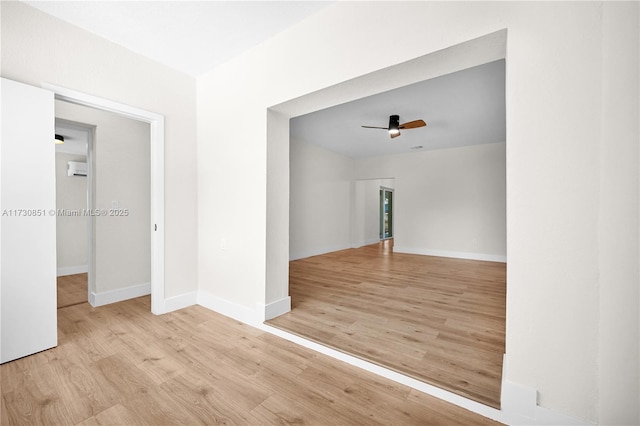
<point>386,213</point>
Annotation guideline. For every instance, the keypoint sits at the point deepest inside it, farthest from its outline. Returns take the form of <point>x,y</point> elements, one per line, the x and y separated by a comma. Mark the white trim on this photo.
<point>113,296</point>
<point>277,308</point>
<point>365,243</point>
<point>458,400</point>
<point>318,251</point>
<point>91,204</point>
<point>519,407</point>
<point>230,309</point>
<point>453,254</point>
<point>181,301</point>
<point>156,122</point>
<point>158,301</point>
<point>516,398</point>
<point>79,98</point>
<point>519,404</point>
<point>72,270</point>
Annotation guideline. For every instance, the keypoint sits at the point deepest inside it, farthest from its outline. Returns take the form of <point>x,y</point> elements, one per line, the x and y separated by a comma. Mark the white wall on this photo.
<point>320,208</point>
<point>449,202</point>
<point>572,163</point>
<point>556,104</point>
<point>71,231</point>
<point>618,385</point>
<point>121,174</point>
<point>38,48</point>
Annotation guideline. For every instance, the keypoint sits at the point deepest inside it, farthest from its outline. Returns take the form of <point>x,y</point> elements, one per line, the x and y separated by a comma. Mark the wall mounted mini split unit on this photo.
<point>76,168</point>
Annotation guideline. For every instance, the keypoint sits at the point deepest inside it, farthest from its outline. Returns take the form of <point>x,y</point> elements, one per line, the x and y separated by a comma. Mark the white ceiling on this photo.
<point>463,108</point>
<point>190,36</point>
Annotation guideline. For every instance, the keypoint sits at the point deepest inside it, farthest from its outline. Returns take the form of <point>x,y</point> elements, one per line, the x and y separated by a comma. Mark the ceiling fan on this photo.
<point>395,126</point>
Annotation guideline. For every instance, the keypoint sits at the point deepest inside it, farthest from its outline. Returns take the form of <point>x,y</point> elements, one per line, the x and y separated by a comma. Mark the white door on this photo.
<point>28,317</point>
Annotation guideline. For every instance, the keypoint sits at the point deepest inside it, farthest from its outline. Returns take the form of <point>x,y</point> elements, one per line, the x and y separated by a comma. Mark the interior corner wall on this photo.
<point>320,200</point>
<point>38,48</point>
<point>448,202</point>
<point>554,86</point>
<point>71,231</point>
<point>122,175</point>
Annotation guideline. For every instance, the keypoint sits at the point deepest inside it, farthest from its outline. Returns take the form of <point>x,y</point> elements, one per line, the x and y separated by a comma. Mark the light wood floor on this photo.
<point>72,289</point>
<point>119,364</point>
<point>439,320</point>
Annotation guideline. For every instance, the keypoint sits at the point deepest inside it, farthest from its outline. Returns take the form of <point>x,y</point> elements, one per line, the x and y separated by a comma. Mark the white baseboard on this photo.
<point>476,407</point>
<point>518,403</point>
<point>277,308</point>
<point>452,254</point>
<point>358,244</point>
<point>520,407</point>
<point>113,296</point>
<point>230,309</point>
<point>303,254</point>
<point>181,301</point>
<point>72,270</point>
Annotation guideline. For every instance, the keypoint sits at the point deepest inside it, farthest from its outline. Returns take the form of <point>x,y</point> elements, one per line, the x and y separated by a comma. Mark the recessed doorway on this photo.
<point>416,219</point>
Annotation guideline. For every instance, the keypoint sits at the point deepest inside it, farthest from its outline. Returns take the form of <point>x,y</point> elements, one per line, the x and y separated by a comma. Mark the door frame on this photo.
<point>156,122</point>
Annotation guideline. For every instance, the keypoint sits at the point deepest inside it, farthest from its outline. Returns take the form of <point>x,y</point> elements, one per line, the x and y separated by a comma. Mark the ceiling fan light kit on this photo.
<point>395,126</point>
<point>394,123</point>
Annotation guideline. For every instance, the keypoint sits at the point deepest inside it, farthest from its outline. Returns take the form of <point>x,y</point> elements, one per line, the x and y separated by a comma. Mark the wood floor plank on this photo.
<point>304,407</point>
<point>72,289</point>
<point>373,406</point>
<point>4,416</point>
<point>117,415</point>
<point>206,402</point>
<point>118,374</point>
<point>31,406</point>
<point>73,382</point>
<point>332,372</point>
<point>157,407</point>
<point>120,365</point>
<point>439,320</point>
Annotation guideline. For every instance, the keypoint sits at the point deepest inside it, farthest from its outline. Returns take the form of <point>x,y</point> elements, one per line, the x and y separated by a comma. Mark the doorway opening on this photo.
<point>386,213</point>
<point>73,225</point>
<point>114,211</point>
<point>156,186</point>
<point>347,263</point>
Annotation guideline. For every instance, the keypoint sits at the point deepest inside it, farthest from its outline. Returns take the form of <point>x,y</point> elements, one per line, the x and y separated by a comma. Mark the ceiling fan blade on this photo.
<point>413,124</point>
<point>394,135</point>
<point>375,127</point>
